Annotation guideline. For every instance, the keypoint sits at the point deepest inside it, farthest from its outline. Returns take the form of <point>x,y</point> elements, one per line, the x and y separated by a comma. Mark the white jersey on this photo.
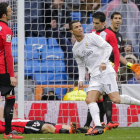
<point>91,52</point>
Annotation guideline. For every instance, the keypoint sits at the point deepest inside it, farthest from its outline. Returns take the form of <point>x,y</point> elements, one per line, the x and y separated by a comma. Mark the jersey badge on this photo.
<point>8,38</point>
<point>86,44</point>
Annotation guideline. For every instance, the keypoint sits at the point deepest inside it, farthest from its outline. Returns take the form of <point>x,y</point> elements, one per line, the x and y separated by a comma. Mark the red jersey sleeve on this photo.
<point>112,40</point>
<point>6,40</point>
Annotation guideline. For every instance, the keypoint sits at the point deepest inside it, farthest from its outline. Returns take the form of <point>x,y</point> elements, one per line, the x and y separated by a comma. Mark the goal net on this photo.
<point>49,67</point>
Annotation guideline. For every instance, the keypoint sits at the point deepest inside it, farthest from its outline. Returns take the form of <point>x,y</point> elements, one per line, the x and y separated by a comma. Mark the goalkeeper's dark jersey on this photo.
<point>119,39</point>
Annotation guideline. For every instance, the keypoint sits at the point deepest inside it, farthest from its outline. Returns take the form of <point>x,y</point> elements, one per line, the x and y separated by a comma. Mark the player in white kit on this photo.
<point>93,52</point>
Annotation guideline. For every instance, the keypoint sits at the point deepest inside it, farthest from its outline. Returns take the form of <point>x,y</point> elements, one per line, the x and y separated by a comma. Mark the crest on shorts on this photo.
<point>86,44</point>
<point>8,38</point>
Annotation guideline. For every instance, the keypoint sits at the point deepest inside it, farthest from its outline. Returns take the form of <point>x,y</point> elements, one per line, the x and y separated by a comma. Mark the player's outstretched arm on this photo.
<point>134,67</point>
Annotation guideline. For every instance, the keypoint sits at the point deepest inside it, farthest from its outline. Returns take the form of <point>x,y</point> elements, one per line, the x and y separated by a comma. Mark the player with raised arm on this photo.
<point>93,52</point>
<point>7,78</point>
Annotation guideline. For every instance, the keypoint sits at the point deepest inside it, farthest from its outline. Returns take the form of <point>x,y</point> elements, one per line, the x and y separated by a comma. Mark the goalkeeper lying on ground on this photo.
<point>37,126</point>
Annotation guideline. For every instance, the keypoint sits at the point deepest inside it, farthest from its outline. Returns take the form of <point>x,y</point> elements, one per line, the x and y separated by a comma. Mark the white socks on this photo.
<point>94,111</point>
<point>125,99</point>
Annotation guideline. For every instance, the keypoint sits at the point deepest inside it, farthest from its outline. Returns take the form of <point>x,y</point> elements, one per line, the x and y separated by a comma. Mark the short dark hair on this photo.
<point>99,15</point>
<point>115,13</point>
<point>3,8</point>
<point>71,23</point>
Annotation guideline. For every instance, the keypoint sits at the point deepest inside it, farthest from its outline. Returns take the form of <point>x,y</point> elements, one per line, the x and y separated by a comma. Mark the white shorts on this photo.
<point>104,82</point>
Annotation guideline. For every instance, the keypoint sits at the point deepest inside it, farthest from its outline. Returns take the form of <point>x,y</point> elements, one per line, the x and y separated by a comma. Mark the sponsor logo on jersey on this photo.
<point>8,38</point>
<point>88,53</point>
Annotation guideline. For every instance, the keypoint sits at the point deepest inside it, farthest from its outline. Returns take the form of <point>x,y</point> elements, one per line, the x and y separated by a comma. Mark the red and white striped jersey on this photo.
<point>110,37</point>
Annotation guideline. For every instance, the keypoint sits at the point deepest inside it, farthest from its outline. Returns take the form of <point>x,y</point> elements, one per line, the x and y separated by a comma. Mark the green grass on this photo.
<point>115,134</point>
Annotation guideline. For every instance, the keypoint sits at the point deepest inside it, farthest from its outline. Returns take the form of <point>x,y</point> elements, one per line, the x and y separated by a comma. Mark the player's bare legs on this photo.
<point>1,112</point>
<point>123,99</point>
<point>115,97</point>
<point>92,96</point>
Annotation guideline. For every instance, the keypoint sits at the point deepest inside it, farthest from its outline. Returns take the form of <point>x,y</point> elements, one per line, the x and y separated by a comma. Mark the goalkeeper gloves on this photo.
<point>129,65</point>
<point>134,67</point>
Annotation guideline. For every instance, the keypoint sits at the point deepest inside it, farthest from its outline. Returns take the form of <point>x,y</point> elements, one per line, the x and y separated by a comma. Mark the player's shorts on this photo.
<point>5,86</point>
<point>35,126</point>
<point>104,82</point>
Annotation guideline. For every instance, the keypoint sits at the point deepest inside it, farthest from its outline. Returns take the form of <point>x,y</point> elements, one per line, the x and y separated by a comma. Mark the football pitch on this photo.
<point>115,134</point>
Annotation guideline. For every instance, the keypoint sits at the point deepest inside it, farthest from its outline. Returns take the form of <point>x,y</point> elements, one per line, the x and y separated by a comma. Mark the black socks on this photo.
<point>8,113</point>
<point>89,119</point>
<point>108,107</point>
<point>102,110</point>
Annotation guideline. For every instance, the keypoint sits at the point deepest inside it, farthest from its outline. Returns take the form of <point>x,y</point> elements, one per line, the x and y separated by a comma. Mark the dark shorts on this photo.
<point>5,87</point>
<point>35,126</point>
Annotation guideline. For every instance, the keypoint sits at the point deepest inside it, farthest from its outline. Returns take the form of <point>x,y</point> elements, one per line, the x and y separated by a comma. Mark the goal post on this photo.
<point>21,40</point>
